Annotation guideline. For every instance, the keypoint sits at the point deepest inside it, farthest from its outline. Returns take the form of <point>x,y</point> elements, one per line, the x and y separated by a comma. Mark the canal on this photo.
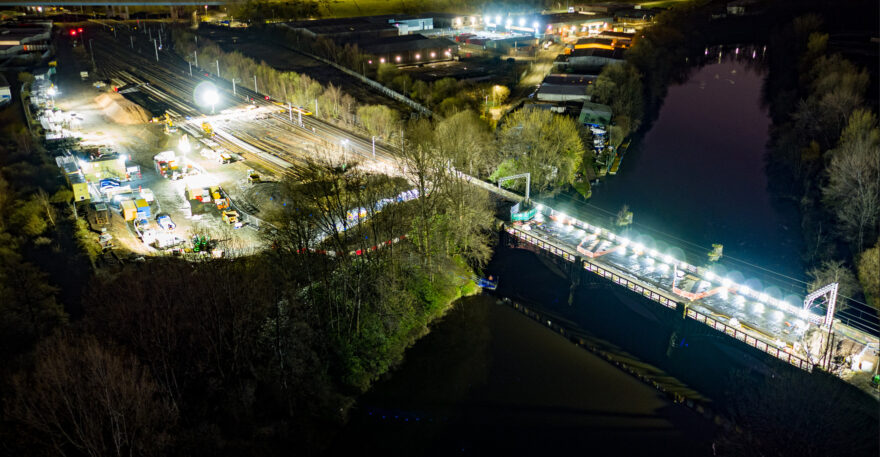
<point>488,380</point>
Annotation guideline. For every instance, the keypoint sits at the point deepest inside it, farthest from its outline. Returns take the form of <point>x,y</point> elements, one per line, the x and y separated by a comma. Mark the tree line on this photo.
<point>826,153</point>
<point>329,103</point>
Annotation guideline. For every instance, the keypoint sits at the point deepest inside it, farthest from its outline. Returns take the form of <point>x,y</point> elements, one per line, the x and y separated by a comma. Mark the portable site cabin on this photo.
<point>143,208</point>
<point>129,211</point>
<point>79,186</point>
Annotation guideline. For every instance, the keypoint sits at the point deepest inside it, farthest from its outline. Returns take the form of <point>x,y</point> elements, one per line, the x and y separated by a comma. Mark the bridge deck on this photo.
<point>774,326</point>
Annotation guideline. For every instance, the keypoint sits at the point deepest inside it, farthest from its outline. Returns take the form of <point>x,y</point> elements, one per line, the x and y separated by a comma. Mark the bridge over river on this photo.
<point>796,330</point>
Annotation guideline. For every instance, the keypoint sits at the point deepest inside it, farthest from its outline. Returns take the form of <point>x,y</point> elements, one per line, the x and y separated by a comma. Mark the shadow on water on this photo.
<point>488,381</point>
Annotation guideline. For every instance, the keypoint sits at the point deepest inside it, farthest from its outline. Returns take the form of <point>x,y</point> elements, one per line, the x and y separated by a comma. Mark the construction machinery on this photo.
<point>231,217</point>
<point>206,126</point>
<point>169,125</point>
<point>253,177</point>
<point>221,202</point>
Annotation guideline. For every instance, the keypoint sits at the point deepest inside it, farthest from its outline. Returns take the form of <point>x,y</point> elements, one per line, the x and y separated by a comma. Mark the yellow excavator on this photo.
<point>169,125</point>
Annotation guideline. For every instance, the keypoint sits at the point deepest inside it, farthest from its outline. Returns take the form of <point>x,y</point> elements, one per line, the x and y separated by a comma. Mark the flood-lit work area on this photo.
<point>318,228</point>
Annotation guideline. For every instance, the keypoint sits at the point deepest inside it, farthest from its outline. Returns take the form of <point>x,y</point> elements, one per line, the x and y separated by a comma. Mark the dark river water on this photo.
<point>490,381</point>
<point>698,174</point>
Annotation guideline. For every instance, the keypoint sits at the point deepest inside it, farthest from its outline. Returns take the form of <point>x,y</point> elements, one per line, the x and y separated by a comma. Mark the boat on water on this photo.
<point>487,283</point>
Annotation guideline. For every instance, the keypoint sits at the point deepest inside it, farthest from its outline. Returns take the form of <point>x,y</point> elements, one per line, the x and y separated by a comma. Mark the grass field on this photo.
<point>343,8</point>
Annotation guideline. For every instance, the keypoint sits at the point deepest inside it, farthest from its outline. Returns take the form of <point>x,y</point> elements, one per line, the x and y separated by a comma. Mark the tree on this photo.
<point>386,73</point>
<point>499,94</point>
<point>869,274</point>
<point>465,139</point>
<point>782,416</point>
<point>620,86</point>
<point>28,310</point>
<point>542,143</point>
<point>25,78</point>
<point>853,189</point>
<point>91,398</point>
<point>28,217</point>
<point>624,217</point>
<point>420,91</point>
<point>402,83</point>
<point>442,89</point>
<point>378,120</point>
<point>834,271</point>
<point>332,100</point>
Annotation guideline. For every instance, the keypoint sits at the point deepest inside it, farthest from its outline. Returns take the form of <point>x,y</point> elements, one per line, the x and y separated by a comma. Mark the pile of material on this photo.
<point>116,108</point>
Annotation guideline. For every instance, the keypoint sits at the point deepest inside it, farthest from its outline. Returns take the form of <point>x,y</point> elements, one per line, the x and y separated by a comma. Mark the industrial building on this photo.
<point>588,59</point>
<point>568,26</point>
<point>619,39</point>
<point>363,28</point>
<point>408,49</point>
<point>565,88</point>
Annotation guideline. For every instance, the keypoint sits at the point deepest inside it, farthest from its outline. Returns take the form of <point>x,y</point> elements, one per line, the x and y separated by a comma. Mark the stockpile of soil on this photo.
<point>118,109</point>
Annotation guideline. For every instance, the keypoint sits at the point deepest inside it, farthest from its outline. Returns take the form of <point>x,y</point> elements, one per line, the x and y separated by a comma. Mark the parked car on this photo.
<point>165,222</point>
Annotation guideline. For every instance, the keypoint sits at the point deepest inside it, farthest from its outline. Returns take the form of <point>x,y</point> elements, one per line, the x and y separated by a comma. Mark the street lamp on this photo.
<point>206,94</point>
<point>184,145</point>
<point>212,97</point>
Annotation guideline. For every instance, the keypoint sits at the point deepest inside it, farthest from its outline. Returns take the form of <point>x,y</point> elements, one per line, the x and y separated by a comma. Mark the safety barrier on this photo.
<point>624,280</point>
<point>752,341</point>
<point>356,252</point>
<point>545,245</point>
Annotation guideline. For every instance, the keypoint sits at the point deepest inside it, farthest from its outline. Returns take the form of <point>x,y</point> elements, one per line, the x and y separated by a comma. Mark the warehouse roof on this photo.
<point>570,79</point>
<point>405,43</point>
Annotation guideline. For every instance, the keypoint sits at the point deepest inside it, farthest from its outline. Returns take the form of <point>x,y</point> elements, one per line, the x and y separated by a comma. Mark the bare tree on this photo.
<point>834,271</point>
<point>94,399</point>
<point>853,189</point>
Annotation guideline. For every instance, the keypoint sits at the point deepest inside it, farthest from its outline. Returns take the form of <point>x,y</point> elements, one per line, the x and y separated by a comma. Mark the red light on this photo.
<point>73,33</point>
<point>79,30</point>
<point>267,97</point>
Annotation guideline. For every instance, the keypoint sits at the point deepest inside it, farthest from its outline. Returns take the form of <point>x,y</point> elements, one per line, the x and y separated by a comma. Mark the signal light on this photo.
<point>73,33</point>
<point>79,30</point>
<point>267,97</point>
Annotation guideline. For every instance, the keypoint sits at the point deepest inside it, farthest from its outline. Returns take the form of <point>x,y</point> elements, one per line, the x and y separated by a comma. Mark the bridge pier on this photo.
<point>575,275</point>
<point>678,324</point>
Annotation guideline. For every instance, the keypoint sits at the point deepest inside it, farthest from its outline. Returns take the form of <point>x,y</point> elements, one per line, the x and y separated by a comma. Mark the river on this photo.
<point>489,381</point>
<point>699,173</point>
